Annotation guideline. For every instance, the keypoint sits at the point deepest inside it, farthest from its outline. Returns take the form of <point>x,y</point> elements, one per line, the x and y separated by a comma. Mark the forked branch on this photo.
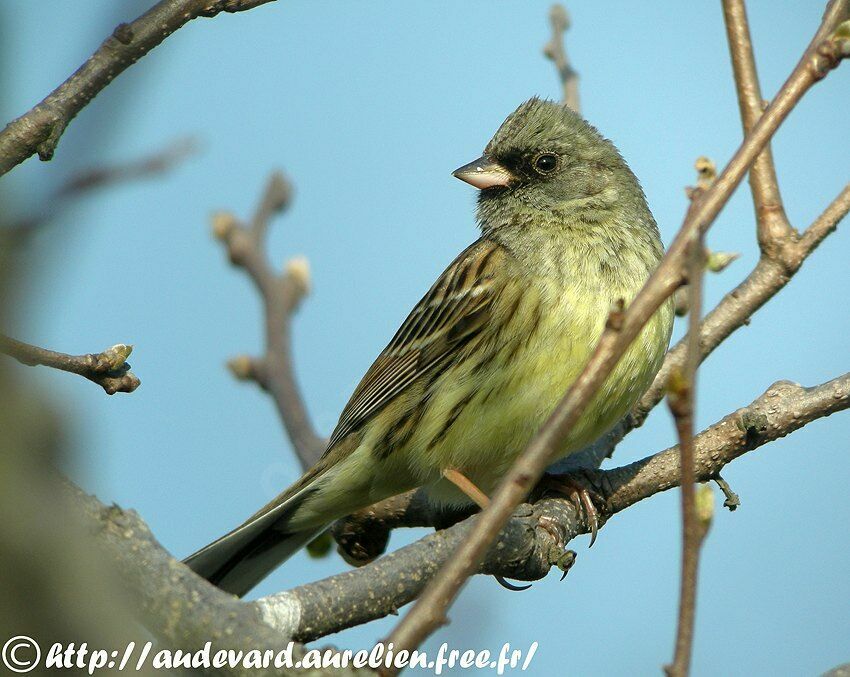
<point>281,295</point>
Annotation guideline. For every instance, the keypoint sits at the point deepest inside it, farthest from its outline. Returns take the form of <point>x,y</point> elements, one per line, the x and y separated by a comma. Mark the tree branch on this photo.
<point>735,309</point>
<point>429,610</point>
<point>39,130</point>
<point>281,295</point>
<point>782,409</point>
<point>773,224</point>
<point>364,535</point>
<point>179,608</point>
<point>555,50</point>
<point>109,369</point>
<point>524,550</point>
<point>682,400</point>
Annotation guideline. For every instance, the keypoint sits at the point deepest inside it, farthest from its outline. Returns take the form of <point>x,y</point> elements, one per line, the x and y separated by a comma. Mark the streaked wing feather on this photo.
<point>453,310</point>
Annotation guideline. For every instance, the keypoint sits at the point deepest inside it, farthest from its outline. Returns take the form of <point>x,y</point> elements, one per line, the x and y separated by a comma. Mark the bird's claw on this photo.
<point>507,585</point>
<point>584,497</point>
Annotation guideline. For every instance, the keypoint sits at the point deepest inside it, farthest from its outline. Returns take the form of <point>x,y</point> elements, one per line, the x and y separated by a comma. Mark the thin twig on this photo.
<point>731,500</point>
<point>555,50</point>
<point>737,307</point>
<point>429,612</point>
<point>682,400</point>
<point>39,130</point>
<point>772,223</point>
<point>109,369</point>
<point>281,295</point>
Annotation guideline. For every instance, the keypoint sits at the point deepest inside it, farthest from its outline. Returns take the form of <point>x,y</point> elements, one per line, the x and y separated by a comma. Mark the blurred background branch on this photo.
<point>82,182</point>
<point>281,294</point>
<point>556,51</point>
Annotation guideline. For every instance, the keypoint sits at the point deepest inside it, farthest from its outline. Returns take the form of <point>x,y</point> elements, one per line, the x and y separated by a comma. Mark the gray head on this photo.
<point>545,157</point>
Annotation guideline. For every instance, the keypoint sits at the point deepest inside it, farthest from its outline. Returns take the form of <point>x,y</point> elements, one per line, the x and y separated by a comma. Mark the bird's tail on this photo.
<point>239,560</point>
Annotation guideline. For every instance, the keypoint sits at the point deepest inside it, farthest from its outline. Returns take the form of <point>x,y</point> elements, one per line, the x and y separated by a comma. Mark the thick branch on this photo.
<point>524,551</point>
<point>429,611</point>
<point>39,130</point>
<point>281,295</point>
<point>180,609</point>
<point>109,369</point>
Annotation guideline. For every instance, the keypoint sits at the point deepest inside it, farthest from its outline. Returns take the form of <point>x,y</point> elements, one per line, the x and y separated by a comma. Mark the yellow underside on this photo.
<point>511,399</point>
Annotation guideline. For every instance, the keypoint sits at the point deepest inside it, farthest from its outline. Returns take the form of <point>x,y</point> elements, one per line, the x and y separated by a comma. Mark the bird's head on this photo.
<point>545,157</point>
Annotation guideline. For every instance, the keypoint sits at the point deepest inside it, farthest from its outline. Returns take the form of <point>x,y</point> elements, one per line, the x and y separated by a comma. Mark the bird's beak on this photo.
<point>484,173</point>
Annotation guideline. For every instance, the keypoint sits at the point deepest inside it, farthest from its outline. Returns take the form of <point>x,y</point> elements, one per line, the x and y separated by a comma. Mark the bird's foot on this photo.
<point>553,528</point>
<point>467,486</point>
<point>579,489</point>
<point>566,558</point>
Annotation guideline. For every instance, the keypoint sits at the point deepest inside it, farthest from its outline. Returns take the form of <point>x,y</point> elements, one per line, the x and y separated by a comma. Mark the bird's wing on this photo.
<point>453,311</point>
<point>450,315</point>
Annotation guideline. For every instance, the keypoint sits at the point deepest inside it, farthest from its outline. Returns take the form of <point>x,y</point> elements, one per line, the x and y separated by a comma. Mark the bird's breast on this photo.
<point>479,418</point>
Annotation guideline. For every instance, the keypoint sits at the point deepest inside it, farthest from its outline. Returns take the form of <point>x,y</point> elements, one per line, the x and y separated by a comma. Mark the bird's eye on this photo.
<point>546,162</point>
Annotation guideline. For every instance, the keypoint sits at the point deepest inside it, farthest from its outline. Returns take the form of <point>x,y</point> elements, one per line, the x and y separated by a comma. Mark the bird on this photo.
<point>487,353</point>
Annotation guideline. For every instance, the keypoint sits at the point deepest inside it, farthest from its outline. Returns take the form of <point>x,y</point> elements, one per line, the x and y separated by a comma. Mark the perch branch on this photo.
<point>281,295</point>
<point>363,536</point>
<point>525,551</point>
<point>39,130</point>
<point>109,369</point>
<point>429,611</point>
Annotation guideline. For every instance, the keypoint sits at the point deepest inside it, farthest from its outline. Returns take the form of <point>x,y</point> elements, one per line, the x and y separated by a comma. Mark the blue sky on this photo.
<point>368,109</point>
